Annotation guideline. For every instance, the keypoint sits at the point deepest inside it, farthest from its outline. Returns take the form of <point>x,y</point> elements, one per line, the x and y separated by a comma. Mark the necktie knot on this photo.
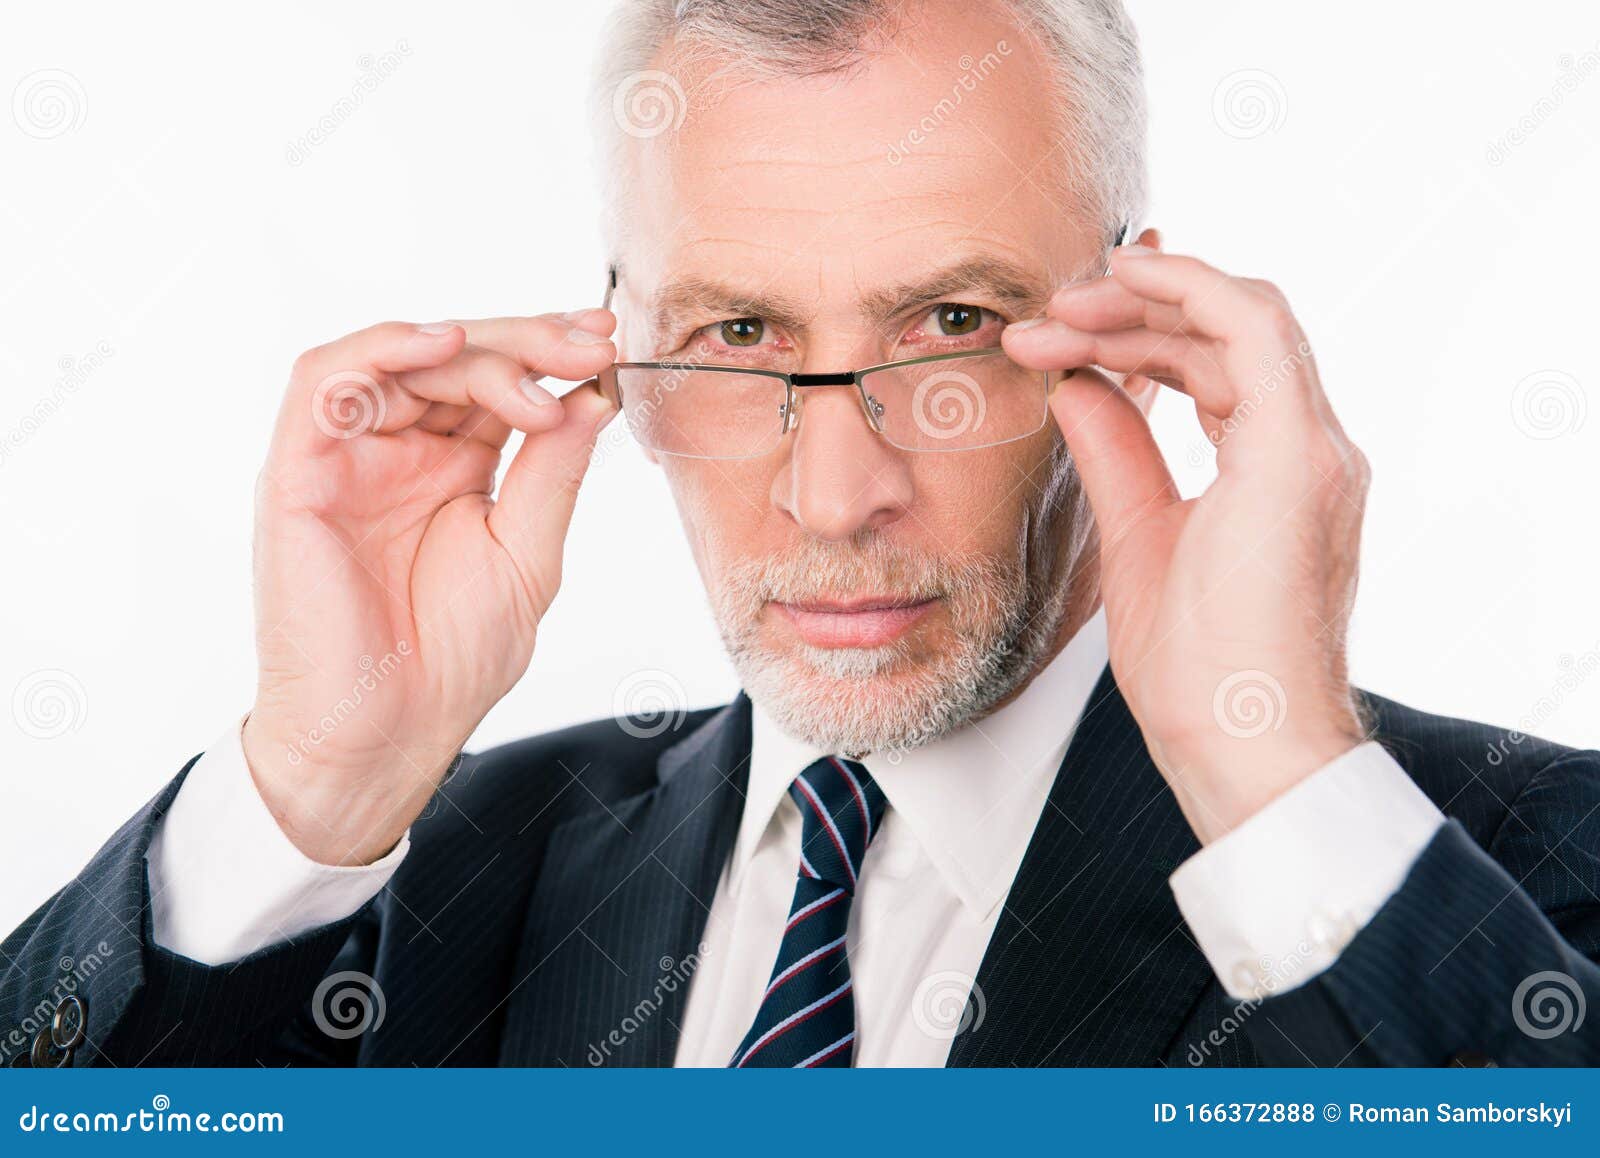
<point>841,808</point>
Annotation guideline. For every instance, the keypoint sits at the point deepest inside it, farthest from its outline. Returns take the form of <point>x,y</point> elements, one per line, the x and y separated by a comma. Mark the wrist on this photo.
<point>1225,782</point>
<point>335,815</point>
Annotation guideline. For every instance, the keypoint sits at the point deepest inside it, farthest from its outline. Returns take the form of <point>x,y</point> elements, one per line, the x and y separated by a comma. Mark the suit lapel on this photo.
<point>1090,962</point>
<point>616,918</point>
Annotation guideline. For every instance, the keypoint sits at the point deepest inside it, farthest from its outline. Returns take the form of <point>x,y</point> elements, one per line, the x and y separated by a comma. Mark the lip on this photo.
<point>859,621</point>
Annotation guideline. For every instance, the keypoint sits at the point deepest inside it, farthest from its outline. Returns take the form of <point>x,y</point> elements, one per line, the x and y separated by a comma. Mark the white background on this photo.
<point>1423,189</point>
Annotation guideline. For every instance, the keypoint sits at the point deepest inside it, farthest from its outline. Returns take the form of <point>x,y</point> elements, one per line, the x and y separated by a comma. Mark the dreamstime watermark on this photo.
<point>373,673</point>
<point>1272,374</point>
<point>348,403</point>
<point>649,702</point>
<point>674,975</point>
<point>49,703</point>
<point>1548,404</point>
<point>74,971</point>
<point>49,103</point>
<point>1548,1004</point>
<point>75,370</point>
<point>1574,672</point>
<point>348,1004</point>
<point>1249,103</point>
<point>374,71</point>
<point>1249,703</point>
<point>649,103</point>
<point>1259,983</point>
<point>948,404</point>
<point>1573,72</point>
<point>948,1004</point>
<point>973,73</point>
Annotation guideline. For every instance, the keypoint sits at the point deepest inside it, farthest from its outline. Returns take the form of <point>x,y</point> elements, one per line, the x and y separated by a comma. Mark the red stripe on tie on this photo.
<point>795,970</point>
<point>827,825</point>
<point>834,1000</point>
<point>815,907</point>
<point>850,782</point>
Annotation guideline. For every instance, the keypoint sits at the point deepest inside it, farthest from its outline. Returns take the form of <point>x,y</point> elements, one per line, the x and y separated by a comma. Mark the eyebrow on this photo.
<point>1007,283</point>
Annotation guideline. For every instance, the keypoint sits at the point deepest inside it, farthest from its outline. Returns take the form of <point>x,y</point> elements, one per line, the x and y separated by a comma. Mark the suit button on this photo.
<point>67,1026</point>
<point>46,1055</point>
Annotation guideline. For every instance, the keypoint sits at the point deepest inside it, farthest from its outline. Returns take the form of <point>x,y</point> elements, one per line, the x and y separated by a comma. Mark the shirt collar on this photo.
<point>971,798</point>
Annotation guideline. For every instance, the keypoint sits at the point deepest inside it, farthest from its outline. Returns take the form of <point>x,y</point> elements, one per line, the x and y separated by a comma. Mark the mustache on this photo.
<point>812,569</point>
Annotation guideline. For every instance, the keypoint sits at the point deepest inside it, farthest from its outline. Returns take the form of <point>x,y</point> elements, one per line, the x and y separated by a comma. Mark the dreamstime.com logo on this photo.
<point>1249,103</point>
<point>649,702</point>
<point>49,704</point>
<point>348,1004</point>
<point>1548,1005</point>
<point>948,404</point>
<point>49,103</point>
<point>948,1004</point>
<point>674,975</point>
<point>160,1118</point>
<point>647,104</point>
<point>373,673</point>
<point>74,972</point>
<point>1249,703</point>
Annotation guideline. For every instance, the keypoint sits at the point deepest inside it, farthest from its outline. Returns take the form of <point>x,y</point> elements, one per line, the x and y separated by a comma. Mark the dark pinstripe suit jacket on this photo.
<point>551,906</point>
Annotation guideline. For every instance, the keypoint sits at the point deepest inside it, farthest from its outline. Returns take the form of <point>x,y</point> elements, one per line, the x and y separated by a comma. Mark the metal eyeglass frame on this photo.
<point>789,411</point>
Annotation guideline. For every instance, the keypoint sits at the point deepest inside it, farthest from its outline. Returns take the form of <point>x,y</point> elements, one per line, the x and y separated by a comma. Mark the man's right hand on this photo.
<point>396,600</point>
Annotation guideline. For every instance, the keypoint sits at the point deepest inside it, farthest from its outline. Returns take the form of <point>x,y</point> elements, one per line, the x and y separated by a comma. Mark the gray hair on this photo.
<point>1099,83</point>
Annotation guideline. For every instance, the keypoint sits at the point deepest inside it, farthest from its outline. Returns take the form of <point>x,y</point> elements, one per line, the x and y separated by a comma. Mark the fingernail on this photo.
<point>1135,250</point>
<point>433,329</point>
<point>1026,324</point>
<point>584,338</point>
<point>536,393</point>
<point>575,316</point>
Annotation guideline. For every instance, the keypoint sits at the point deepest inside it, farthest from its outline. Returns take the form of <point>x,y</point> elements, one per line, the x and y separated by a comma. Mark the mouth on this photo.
<point>859,621</point>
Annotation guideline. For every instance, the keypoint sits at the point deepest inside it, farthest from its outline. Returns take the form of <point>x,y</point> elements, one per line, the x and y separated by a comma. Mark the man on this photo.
<point>1037,764</point>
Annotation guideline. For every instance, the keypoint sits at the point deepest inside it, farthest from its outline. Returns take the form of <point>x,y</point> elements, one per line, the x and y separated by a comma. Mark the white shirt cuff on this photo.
<point>1275,901</point>
<point>224,879</point>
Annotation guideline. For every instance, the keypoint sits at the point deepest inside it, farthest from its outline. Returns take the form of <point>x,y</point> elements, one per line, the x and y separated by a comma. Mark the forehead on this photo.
<point>944,143</point>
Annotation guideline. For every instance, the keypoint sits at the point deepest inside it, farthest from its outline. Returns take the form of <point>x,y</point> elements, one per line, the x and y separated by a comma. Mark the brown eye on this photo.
<point>743,331</point>
<point>956,320</point>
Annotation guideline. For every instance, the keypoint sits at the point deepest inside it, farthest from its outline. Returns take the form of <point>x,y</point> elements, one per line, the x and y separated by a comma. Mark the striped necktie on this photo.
<point>808,1013</point>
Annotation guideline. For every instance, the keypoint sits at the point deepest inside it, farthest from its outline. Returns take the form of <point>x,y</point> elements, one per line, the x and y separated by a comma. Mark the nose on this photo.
<point>840,476</point>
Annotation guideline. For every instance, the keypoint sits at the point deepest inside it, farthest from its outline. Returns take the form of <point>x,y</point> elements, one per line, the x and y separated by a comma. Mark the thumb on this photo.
<point>534,508</point>
<point>1122,470</point>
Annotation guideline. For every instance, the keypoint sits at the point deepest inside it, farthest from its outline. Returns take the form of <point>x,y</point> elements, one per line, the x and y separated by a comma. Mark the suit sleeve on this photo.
<point>143,1005</point>
<point>1483,953</point>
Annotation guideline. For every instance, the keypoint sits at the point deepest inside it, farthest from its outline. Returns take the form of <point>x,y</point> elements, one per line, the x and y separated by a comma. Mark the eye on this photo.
<point>954,320</point>
<point>743,331</point>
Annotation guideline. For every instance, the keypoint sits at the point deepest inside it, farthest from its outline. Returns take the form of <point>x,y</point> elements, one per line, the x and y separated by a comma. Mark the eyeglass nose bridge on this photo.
<point>792,407</point>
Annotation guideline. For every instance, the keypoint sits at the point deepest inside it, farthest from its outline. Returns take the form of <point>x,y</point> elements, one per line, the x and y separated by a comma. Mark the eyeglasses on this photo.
<point>961,401</point>
<point>966,400</point>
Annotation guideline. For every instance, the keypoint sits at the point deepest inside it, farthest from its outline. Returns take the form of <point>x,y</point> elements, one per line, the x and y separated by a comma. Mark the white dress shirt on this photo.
<point>1271,904</point>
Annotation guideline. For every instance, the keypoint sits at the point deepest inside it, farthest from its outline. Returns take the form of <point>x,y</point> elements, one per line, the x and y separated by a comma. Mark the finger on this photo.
<point>488,379</point>
<point>548,344</point>
<point>1122,470</point>
<point>1180,359</point>
<point>534,507</point>
<point>343,388</point>
<point>1107,304</point>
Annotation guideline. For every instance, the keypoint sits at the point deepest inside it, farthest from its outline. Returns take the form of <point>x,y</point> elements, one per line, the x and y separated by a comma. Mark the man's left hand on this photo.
<point>1226,613</point>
